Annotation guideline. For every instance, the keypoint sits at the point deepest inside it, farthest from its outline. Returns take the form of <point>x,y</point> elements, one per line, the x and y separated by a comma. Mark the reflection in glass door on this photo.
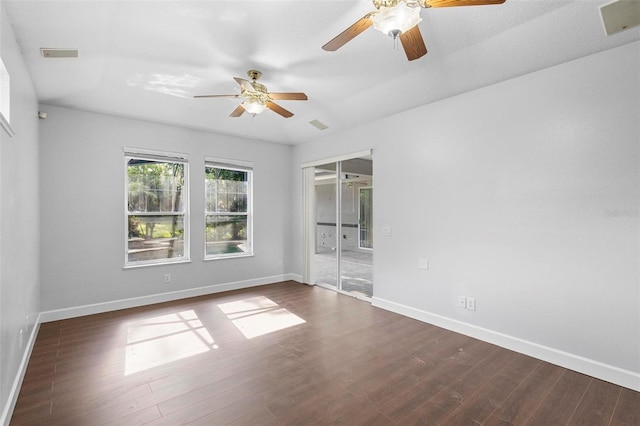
<point>365,234</point>
<point>343,257</point>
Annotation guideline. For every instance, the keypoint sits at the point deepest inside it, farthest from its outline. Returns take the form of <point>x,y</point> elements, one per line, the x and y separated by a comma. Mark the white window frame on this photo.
<point>241,166</point>
<point>143,154</point>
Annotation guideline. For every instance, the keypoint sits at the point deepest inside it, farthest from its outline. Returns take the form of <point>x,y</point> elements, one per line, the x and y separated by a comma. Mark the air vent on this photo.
<point>59,53</point>
<point>620,15</point>
<point>318,125</point>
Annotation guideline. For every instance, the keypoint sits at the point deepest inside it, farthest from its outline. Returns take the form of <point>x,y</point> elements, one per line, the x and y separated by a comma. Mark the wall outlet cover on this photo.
<point>471,303</point>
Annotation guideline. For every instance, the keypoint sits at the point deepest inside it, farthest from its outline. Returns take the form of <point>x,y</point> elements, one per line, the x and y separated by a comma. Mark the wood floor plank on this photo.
<point>597,404</point>
<point>30,412</point>
<point>399,406</point>
<point>528,395</point>
<point>211,389</point>
<point>140,417</point>
<point>261,416</point>
<point>489,397</point>
<point>349,363</point>
<point>228,414</point>
<point>396,377</point>
<point>561,402</point>
<point>205,407</point>
<point>332,406</point>
<point>100,405</point>
<point>627,410</point>
<point>369,417</point>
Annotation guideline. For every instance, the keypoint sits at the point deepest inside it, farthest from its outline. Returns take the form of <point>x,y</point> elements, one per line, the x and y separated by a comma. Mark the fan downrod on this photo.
<point>254,74</point>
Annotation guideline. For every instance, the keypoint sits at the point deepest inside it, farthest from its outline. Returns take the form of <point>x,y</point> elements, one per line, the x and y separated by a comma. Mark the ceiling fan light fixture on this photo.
<point>254,107</point>
<point>256,99</point>
<point>395,20</point>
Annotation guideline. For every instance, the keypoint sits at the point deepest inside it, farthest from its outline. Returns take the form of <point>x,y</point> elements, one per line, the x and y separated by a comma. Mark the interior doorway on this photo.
<point>339,229</point>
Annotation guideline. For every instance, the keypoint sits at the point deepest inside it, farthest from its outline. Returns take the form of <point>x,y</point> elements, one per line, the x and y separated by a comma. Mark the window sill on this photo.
<point>235,256</point>
<point>144,265</point>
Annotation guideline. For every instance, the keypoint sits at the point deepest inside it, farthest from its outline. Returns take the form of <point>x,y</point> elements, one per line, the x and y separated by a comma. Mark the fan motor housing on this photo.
<point>259,87</point>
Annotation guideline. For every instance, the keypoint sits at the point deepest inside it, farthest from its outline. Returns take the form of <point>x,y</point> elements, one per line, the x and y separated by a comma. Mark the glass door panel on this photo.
<point>326,252</point>
<point>356,264</point>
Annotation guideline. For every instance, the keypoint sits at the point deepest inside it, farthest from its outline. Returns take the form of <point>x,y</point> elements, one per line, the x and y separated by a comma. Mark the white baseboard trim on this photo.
<point>17,381</point>
<point>97,308</point>
<point>297,278</point>
<point>609,373</point>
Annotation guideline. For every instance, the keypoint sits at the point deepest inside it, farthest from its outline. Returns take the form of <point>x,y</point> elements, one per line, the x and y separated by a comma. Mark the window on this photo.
<point>156,208</point>
<point>228,221</point>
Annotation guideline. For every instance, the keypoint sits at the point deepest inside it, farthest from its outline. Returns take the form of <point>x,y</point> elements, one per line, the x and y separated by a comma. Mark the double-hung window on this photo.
<point>156,205</point>
<point>228,216</point>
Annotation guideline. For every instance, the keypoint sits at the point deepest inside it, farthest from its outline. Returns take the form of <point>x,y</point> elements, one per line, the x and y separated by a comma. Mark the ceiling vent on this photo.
<point>318,125</point>
<point>59,53</point>
<point>620,15</point>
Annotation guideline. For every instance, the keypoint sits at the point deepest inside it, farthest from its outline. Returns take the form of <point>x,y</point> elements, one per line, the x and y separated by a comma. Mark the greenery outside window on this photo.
<point>156,208</point>
<point>228,219</point>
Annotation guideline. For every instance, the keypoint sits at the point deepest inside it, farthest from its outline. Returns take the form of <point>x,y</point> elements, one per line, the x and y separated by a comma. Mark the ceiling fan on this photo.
<point>256,99</point>
<point>399,18</point>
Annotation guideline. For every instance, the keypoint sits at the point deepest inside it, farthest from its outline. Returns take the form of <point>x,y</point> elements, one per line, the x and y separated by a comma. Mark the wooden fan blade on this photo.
<point>453,3</point>
<point>413,43</point>
<point>348,34</point>
<point>238,111</point>
<point>245,84</point>
<point>217,96</point>
<point>279,110</point>
<point>288,96</point>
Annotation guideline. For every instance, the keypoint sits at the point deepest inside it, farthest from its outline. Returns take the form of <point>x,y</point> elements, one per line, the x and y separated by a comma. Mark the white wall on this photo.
<point>19,221</point>
<point>83,229</point>
<point>525,196</point>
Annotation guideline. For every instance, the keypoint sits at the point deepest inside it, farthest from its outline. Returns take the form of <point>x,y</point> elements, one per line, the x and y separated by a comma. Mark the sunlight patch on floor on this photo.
<point>159,340</point>
<point>257,316</point>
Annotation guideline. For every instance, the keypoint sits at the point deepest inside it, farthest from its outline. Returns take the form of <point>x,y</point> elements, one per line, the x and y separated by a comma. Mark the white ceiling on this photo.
<point>146,59</point>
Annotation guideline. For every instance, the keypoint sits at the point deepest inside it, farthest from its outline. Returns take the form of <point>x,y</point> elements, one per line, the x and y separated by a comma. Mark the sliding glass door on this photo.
<point>342,247</point>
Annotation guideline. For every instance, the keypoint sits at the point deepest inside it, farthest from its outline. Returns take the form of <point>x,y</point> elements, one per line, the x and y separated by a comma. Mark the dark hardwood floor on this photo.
<point>334,360</point>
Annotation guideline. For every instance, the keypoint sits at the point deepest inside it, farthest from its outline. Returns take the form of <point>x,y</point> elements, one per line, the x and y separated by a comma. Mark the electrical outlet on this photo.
<point>462,302</point>
<point>471,303</point>
<point>167,278</point>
